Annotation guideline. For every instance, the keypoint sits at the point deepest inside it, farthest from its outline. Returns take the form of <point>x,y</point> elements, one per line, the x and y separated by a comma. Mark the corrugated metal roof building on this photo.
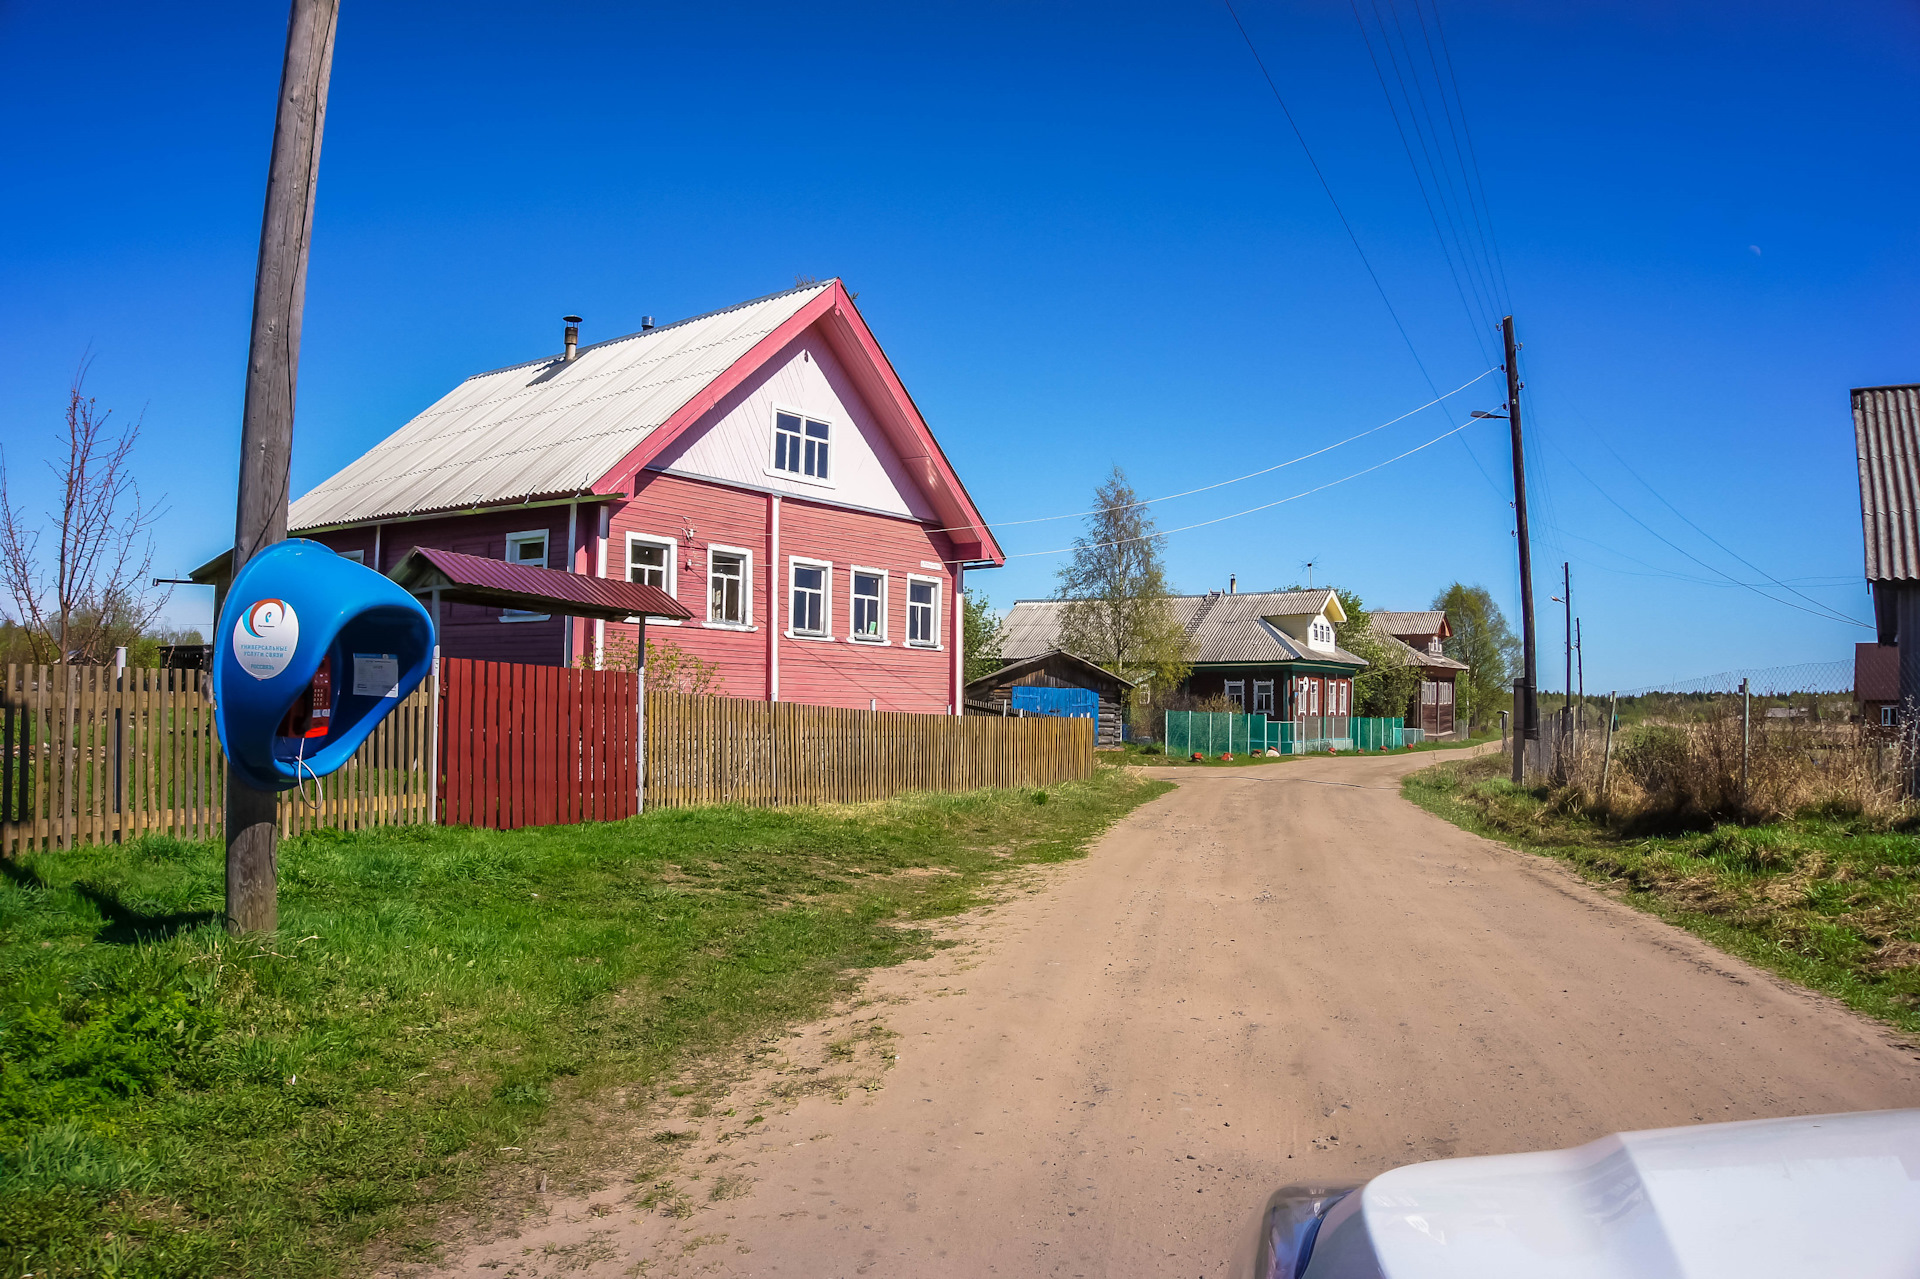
<point>1225,629</point>
<point>524,433</point>
<point>1886,432</point>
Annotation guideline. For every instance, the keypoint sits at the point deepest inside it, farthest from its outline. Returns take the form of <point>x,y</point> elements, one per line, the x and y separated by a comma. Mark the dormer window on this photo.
<point>1433,646</point>
<point>1320,633</point>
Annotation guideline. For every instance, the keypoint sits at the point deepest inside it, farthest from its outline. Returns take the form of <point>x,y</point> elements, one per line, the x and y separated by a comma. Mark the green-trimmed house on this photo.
<point>1271,652</point>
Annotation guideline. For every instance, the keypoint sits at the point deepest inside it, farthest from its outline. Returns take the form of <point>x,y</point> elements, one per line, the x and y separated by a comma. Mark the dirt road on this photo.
<point>1271,975</point>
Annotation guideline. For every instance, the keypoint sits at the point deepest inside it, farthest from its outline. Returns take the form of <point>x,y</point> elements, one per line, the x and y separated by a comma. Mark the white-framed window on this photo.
<point>729,569</point>
<point>1446,692</point>
<point>1886,717</point>
<point>867,605</point>
<point>800,447</point>
<point>810,598</point>
<point>923,612</point>
<point>650,561</point>
<point>358,557</point>
<point>1237,692</point>
<point>1263,697</point>
<point>1313,697</point>
<point>529,548</point>
<point>1320,633</point>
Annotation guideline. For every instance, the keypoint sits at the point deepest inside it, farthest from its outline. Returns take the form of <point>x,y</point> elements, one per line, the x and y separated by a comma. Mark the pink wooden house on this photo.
<point>762,464</point>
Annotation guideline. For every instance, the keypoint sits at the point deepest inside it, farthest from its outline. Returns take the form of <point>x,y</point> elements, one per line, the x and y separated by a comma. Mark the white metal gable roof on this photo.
<point>545,428</point>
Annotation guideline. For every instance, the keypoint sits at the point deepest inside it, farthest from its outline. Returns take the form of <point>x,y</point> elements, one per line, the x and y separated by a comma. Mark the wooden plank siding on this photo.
<point>729,750</point>
<point>88,756</point>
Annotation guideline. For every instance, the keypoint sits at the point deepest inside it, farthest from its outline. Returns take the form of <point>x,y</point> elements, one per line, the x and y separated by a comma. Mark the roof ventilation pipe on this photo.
<point>646,322</point>
<point>1233,582</point>
<point>573,335</point>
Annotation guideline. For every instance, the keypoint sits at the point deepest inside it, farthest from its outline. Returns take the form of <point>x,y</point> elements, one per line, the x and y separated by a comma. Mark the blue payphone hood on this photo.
<point>292,606</point>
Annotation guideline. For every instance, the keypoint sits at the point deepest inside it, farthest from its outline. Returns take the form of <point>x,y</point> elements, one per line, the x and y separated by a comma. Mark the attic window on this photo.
<point>1319,632</point>
<point>800,446</point>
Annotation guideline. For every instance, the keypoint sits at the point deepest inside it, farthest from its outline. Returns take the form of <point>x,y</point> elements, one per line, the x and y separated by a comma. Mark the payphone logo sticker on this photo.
<point>264,638</point>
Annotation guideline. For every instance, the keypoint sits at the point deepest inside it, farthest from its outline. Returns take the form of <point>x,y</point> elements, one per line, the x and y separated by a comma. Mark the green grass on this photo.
<point>1827,900</point>
<point>1135,753</point>
<point>174,1102</point>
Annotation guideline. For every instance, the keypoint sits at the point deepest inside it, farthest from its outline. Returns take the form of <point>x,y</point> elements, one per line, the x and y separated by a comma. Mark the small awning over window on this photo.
<point>475,579</point>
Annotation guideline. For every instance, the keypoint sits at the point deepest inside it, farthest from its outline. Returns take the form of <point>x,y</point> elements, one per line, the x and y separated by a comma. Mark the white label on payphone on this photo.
<point>376,675</point>
<point>264,638</point>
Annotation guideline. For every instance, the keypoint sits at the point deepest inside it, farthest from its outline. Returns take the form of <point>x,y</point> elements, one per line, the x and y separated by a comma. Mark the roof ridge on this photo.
<point>659,328</point>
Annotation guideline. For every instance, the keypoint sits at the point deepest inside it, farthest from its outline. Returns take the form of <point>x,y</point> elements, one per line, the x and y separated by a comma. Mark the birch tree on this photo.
<point>1117,612</point>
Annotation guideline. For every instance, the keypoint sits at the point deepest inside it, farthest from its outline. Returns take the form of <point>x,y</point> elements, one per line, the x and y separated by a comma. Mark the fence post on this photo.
<point>1606,760</point>
<point>1746,736</point>
<point>640,728</point>
<point>433,732</point>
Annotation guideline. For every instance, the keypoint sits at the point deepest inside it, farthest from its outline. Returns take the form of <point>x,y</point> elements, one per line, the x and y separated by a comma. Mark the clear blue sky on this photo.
<point>1086,237</point>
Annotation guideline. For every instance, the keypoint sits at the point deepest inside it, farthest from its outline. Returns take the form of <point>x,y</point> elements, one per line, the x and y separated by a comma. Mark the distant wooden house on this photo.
<point>1271,653</point>
<point>1055,682</point>
<point>1876,683</point>
<point>1421,635</point>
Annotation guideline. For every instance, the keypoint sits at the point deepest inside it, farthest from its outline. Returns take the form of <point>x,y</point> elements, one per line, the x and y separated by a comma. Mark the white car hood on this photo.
<point>1826,1195</point>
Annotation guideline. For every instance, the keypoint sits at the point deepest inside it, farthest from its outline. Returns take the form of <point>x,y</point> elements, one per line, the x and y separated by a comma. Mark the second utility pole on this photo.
<point>1528,715</point>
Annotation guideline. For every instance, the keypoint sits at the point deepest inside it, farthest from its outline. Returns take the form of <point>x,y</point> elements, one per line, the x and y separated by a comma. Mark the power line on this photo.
<point>1331,199</point>
<point>1473,153</point>
<point>1823,612</point>
<point>1204,488</point>
<point>1251,510</point>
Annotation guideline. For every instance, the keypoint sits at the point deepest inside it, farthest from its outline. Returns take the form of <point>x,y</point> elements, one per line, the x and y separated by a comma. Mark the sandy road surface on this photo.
<point>1272,974</point>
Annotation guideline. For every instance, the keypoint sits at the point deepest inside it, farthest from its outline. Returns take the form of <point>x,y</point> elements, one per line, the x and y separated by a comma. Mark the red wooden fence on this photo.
<point>537,745</point>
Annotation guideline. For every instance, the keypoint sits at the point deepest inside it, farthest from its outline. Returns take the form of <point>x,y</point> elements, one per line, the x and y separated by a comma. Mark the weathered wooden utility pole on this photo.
<point>266,430</point>
<point>1528,715</point>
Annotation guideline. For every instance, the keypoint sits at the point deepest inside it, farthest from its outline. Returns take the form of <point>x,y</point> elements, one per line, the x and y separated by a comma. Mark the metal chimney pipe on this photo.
<point>646,322</point>
<point>1233,582</point>
<point>573,335</point>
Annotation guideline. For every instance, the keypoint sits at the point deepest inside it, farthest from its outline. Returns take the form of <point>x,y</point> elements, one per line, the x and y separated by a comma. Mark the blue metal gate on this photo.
<point>1067,703</point>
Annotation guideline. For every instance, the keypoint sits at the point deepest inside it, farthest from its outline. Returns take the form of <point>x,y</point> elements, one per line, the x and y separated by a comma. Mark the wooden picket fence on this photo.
<point>537,745</point>
<point>89,755</point>
<point>728,750</point>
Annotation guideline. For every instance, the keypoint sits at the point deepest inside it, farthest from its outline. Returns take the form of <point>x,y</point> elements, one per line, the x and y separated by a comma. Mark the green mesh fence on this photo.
<point>1217,733</point>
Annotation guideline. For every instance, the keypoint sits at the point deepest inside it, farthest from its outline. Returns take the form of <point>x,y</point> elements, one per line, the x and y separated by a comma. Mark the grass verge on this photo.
<point>176,1102</point>
<point>1831,902</point>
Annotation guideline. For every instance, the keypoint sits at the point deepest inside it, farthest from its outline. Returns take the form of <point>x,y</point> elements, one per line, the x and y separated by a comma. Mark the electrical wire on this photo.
<point>1331,199</point>
<point>1251,475</point>
<point>1265,506</point>
<point>1820,610</point>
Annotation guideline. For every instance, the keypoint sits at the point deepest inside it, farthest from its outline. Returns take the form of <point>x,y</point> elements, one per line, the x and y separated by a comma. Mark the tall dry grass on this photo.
<point>1687,775</point>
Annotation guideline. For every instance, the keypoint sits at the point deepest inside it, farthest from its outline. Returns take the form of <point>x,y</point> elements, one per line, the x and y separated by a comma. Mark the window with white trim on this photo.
<point>923,612</point>
<point>808,613</point>
<point>1886,717</point>
<point>1236,690</point>
<point>1446,692</point>
<point>727,570</point>
<point>528,548</point>
<point>1263,697</point>
<point>358,557</point>
<point>650,561</point>
<point>869,606</point>
<point>800,446</point>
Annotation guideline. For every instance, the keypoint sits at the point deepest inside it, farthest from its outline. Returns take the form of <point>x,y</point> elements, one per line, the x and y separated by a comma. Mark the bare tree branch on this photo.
<point>94,597</point>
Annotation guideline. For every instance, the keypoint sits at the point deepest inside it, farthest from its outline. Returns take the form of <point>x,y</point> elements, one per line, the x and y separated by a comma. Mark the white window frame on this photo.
<point>1263,692</point>
<point>883,639</point>
<point>1235,691</point>
<point>358,557</point>
<point>1887,717</point>
<point>672,546</point>
<point>544,537</point>
<point>935,644</point>
<point>825,633</point>
<point>746,588</point>
<point>773,448</point>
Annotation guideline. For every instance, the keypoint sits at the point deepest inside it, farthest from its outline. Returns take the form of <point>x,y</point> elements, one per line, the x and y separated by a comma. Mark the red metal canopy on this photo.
<point>475,579</point>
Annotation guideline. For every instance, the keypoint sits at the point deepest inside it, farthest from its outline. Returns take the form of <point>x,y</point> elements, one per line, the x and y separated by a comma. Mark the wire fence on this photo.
<point>1767,681</point>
